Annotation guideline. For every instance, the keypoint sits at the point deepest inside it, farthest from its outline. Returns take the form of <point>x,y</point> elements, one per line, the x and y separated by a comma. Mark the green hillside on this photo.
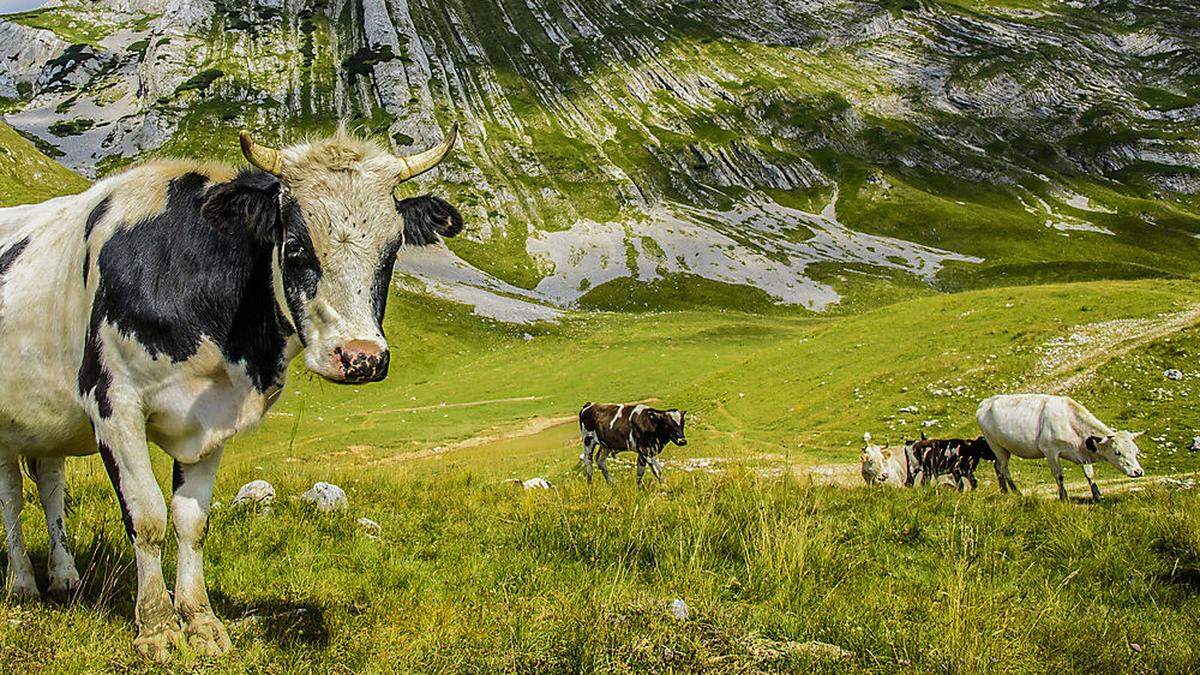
<point>721,153</point>
<point>27,175</point>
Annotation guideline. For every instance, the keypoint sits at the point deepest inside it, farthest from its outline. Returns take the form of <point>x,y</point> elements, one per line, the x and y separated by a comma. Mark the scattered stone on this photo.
<point>1195,446</point>
<point>256,492</point>
<point>1179,484</point>
<point>536,484</point>
<point>370,528</point>
<point>679,609</point>
<point>326,497</point>
<point>1135,647</point>
<point>1173,374</point>
<point>931,423</point>
<point>909,410</point>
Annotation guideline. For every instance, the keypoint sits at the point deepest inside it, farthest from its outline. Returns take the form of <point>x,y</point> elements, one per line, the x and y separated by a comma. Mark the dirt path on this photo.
<point>443,406</point>
<point>531,427</point>
<point>847,475</point>
<point>1082,366</point>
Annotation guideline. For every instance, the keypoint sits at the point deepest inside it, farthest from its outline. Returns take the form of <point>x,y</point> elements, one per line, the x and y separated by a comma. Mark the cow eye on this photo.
<point>295,252</point>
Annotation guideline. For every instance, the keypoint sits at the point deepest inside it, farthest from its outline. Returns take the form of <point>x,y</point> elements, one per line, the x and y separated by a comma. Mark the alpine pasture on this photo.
<point>760,529</point>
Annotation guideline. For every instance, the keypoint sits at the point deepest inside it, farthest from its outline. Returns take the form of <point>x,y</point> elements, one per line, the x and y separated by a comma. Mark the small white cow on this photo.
<point>1057,428</point>
<point>883,465</point>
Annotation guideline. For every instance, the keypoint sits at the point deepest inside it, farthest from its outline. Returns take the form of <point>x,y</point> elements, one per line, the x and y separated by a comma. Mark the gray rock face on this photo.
<point>23,54</point>
<point>326,497</point>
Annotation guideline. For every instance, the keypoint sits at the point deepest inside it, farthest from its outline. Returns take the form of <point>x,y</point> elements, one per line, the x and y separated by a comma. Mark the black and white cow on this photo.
<point>609,428</point>
<point>954,457</point>
<point>164,304</point>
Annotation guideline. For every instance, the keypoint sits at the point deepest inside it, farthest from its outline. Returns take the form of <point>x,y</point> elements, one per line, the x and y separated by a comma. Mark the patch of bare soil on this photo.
<point>1069,360</point>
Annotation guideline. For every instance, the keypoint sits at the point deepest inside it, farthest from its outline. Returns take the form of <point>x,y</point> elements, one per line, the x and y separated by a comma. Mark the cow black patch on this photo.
<point>426,217</point>
<point>185,274</point>
<point>383,280</point>
<point>176,476</point>
<point>298,264</point>
<point>114,475</point>
<point>97,214</point>
<point>10,254</point>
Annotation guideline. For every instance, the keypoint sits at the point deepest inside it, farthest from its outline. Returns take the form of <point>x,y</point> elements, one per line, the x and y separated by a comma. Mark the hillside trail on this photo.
<point>1103,348</point>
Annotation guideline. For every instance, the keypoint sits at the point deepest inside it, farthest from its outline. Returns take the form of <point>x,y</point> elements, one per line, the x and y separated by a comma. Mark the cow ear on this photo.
<point>251,201</point>
<point>426,217</point>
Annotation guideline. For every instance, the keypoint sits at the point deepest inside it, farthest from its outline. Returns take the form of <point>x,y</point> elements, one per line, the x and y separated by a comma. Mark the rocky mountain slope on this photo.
<point>617,152</point>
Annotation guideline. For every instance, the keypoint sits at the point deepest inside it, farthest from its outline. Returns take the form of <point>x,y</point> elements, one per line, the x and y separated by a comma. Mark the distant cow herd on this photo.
<point>1031,426</point>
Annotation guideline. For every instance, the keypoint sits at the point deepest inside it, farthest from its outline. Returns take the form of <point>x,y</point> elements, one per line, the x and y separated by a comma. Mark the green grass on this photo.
<point>27,175</point>
<point>474,574</point>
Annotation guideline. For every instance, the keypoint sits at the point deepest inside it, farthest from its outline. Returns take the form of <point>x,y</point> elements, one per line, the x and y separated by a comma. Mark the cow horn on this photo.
<point>410,166</point>
<point>266,158</point>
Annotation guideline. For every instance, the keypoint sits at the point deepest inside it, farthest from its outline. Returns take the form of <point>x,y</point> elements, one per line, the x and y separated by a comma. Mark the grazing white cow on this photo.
<point>164,304</point>
<point>884,465</point>
<point>1057,428</point>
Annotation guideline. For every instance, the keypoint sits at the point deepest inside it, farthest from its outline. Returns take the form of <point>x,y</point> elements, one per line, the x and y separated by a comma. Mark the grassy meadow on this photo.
<point>471,573</point>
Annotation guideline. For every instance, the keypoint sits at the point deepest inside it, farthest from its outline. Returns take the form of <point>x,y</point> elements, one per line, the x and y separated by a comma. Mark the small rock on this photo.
<point>679,609</point>
<point>1195,446</point>
<point>909,410</point>
<point>326,497</point>
<point>1135,647</point>
<point>257,492</point>
<point>536,484</point>
<point>1172,374</point>
<point>370,528</point>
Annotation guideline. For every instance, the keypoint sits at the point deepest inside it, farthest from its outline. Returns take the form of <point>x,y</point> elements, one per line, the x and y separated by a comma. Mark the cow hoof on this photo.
<point>155,643</point>
<point>23,590</point>
<point>206,635</point>
<point>62,589</point>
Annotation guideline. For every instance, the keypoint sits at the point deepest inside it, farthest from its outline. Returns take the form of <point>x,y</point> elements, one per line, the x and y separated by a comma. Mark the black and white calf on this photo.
<point>164,304</point>
<point>609,428</point>
<point>954,457</point>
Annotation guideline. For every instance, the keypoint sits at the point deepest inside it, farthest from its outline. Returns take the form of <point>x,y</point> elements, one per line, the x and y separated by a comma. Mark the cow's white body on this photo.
<point>164,304</point>
<point>1057,428</point>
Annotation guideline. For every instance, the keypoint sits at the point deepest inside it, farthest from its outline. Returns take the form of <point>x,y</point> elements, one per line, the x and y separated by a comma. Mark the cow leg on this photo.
<point>1056,469</point>
<point>602,462</point>
<point>656,468</point>
<point>641,468</point>
<point>1002,475</point>
<point>193,486</point>
<point>50,475</point>
<point>123,448</point>
<point>21,583</point>
<point>1090,473</point>
<point>973,481</point>
<point>589,448</point>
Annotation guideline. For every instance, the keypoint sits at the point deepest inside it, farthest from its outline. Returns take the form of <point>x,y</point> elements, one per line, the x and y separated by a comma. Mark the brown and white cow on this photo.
<point>164,304</point>
<point>609,428</point>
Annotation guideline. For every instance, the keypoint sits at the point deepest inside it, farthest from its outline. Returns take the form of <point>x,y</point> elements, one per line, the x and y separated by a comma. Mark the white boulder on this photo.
<point>326,497</point>
<point>256,492</point>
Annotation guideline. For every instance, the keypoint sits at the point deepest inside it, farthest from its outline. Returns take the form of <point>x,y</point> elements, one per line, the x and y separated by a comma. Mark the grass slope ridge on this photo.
<point>27,175</point>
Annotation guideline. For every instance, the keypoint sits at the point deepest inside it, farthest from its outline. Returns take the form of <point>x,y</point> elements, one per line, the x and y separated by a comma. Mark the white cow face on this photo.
<point>875,463</point>
<point>1120,450</point>
<point>340,229</point>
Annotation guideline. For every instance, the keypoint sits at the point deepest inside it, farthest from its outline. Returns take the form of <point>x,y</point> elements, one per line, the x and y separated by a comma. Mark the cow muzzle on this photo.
<point>359,361</point>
